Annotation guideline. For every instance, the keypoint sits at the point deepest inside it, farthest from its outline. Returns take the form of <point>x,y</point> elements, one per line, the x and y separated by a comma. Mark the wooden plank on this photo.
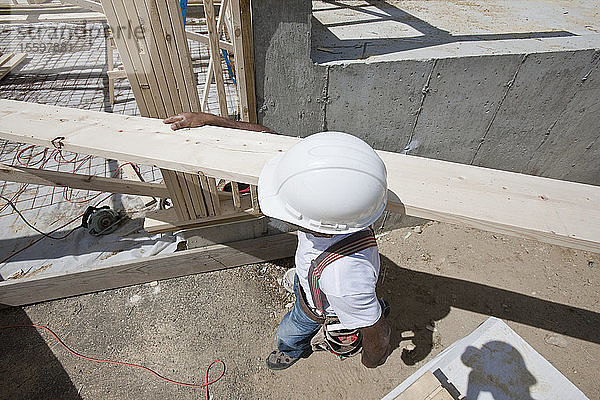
<point>213,36</point>
<point>427,387</point>
<point>129,57</point>
<point>163,64</point>
<point>254,197</point>
<point>187,198</point>
<point>87,4</point>
<point>210,208</point>
<point>117,74</point>
<point>184,77</point>
<point>244,58</point>
<point>205,259</point>
<point>70,17</point>
<point>235,192</point>
<point>78,181</point>
<point>212,186</point>
<point>176,194</point>
<point>162,221</point>
<point>12,62</point>
<point>160,60</point>
<point>550,210</point>
<point>5,57</point>
<point>188,81</point>
<point>193,184</point>
<point>210,69</point>
<point>198,37</point>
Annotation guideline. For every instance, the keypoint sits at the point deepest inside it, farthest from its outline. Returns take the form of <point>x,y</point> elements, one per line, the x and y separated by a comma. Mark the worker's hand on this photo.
<point>376,343</point>
<point>191,120</point>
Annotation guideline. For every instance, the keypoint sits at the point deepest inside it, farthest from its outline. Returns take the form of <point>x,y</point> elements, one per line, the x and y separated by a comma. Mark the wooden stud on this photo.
<point>193,184</point>
<point>244,58</point>
<point>209,10</point>
<point>210,208</point>
<point>77,181</point>
<point>254,197</point>
<point>235,192</point>
<point>110,65</point>
<point>187,197</point>
<point>214,194</point>
<point>88,4</point>
<point>198,37</point>
<point>170,179</point>
<point>210,69</point>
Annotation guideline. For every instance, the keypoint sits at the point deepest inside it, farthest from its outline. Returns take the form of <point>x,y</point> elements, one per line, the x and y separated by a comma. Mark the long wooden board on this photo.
<point>549,210</point>
<point>204,259</point>
<point>79,181</point>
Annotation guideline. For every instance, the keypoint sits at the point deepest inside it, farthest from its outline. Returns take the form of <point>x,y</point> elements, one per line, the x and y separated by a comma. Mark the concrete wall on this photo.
<point>536,113</point>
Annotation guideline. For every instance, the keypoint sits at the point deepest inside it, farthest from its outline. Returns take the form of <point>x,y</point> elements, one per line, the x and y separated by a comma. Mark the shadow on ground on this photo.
<point>418,299</point>
<point>28,368</point>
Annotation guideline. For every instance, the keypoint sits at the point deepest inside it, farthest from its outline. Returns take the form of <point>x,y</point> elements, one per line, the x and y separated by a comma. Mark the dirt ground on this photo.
<point>439,276</point>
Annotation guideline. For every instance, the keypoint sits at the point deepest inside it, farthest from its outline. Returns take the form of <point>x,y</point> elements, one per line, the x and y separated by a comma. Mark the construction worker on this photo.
<point>333,187</point>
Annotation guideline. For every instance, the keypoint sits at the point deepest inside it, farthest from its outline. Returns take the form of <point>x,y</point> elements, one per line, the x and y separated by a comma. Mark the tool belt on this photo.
<point>332,337</point>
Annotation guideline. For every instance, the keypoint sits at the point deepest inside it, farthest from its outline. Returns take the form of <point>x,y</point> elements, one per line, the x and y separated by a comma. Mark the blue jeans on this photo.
<point>296,329</point>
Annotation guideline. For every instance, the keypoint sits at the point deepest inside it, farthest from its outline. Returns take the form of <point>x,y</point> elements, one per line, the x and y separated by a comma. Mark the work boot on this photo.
<point>278,360</point>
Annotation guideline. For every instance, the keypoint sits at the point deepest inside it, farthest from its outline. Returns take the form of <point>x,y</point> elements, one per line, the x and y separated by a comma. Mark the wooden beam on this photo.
<point>211,61</point>
<point>78,181</point>
<point>87,4</point>
<point>64,17</point>
<point>198,37</point>
<point>162,221</point>
<point>244,58</point>
<point>550,210</point>
<point>215,54</point>
<point>19,292</point>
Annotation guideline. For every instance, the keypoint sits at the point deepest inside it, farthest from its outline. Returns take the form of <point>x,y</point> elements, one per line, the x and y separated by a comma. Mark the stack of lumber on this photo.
<point>9,61</point>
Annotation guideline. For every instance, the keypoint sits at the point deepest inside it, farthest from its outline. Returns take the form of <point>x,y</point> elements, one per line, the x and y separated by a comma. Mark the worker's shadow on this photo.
<point>28,368</point>
<point>419,299</point>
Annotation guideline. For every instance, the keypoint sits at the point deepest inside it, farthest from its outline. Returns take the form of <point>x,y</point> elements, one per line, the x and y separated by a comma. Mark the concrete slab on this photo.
<point>350,31</point>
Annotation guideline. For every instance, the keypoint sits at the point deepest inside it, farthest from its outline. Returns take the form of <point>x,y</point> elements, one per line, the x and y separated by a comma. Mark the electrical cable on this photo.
<point>192,385</point>
<point>33,227</point>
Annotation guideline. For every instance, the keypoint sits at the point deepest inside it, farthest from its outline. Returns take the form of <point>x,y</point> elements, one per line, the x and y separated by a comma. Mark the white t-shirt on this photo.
<point>348,283</point>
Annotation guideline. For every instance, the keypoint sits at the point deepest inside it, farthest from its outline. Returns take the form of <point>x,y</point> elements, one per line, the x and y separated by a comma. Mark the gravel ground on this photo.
<point>435,275</point>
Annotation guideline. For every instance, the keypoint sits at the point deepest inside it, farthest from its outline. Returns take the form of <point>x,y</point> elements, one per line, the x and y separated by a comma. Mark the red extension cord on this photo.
<point>203,385</point>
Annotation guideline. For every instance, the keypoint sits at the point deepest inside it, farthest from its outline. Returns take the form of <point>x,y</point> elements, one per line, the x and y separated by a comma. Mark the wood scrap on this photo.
<point>9,62</point>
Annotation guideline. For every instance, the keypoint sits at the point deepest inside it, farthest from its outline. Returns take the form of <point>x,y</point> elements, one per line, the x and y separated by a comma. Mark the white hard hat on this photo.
<point>330,182</point>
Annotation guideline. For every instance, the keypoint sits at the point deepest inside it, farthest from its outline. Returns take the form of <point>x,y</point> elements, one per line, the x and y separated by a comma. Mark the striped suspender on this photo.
<point>352,244</point>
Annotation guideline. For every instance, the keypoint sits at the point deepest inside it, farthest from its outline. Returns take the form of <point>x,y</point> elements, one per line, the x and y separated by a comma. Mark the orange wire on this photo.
<point>205,385</point>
